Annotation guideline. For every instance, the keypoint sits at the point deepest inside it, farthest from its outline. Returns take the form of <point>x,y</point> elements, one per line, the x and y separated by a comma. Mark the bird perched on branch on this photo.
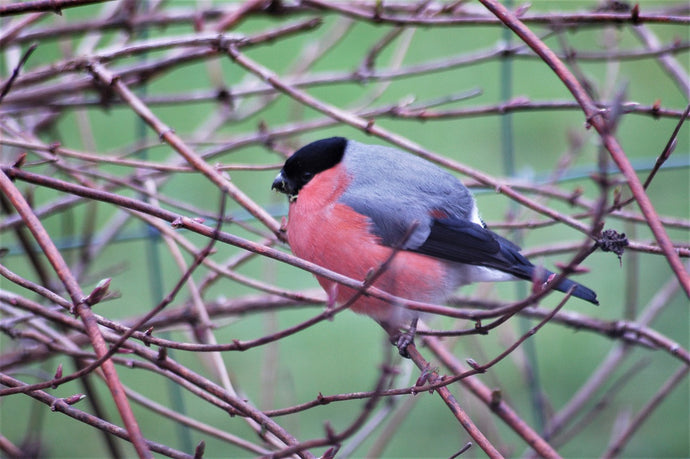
<point>352,205</point>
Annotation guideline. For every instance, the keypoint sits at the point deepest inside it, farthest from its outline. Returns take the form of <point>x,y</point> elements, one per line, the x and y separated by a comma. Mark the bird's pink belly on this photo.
<point>338,238</point>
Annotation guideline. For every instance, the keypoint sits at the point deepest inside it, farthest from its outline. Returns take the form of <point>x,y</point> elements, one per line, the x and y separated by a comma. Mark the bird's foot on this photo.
<point>402,339</point>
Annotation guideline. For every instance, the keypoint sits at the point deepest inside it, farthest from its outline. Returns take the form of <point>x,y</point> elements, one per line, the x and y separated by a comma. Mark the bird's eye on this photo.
<point>306,176</point>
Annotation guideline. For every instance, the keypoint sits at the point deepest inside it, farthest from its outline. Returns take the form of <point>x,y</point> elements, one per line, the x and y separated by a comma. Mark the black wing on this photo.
<point>463,241</point>
<point>466,242</point>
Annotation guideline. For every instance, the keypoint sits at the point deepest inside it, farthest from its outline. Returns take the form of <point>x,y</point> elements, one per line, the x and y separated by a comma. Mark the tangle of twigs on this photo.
<point>144,274</point>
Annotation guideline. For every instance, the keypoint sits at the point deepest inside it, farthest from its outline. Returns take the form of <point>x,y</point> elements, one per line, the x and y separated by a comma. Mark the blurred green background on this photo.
<point>344,355</point>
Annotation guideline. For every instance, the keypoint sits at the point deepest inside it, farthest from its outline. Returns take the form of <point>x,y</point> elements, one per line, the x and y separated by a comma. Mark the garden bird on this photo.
<point>351,205</point>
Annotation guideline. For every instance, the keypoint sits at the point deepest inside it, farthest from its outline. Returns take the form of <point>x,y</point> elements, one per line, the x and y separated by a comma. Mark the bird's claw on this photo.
<point>401,341</point>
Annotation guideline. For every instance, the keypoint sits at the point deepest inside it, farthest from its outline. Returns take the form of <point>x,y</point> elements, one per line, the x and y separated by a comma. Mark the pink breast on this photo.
<point>332,235</point>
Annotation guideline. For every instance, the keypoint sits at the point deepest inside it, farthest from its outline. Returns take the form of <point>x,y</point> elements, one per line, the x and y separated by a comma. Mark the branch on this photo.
<point>43,5</point>
<point>80,308</point>
<point>601,125</point>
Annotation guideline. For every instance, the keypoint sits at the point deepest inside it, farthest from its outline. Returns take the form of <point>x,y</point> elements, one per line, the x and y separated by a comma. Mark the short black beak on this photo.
<point>283,184</point>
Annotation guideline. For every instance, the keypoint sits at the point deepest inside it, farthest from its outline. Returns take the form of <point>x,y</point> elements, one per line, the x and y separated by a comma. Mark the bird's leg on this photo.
<point>406,338</point>
<point>401,339</point>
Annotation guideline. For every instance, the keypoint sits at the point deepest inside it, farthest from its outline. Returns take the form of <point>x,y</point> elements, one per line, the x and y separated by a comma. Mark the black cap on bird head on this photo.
<point>308,161</point>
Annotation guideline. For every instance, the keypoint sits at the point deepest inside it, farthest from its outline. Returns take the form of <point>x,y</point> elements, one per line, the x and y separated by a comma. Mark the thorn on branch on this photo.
<point>668,149</point>
<point>467,446</point>
<point>331,452</point>
<point>331,436</point>
<point>369,127</point>
<point>576,194</point>
<point>15,73</point>
<point>656,109</point>
<point>147,334</point>
<point>635,14</point>
<point>480,328</point>
<point>321,399</point>
<point>378,11</point>
<point>21,159</point>
<point>199,450</point>
<point>239,345</point>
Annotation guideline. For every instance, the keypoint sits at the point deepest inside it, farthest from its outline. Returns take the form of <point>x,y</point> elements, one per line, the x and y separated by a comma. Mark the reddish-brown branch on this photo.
<point>15,73</point>
<point>43,5</point>
<point>80,308</point>
<point>60,405</point>
<point>180,374</point>
<point>51,91</point>
<point>486,395</point>
<point>619,443</point>
<point>369,127</point>
<point>200,228</point>
<point>370,11</point>
<point>454,406</point>
<point>600,123</point>
<point>168,134</point>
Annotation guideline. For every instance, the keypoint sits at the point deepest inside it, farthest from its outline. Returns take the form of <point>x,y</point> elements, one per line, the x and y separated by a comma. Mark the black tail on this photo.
<point>526,272</point>
<point>524,269</point>
<point>579,291</point>
<point>463,241</point>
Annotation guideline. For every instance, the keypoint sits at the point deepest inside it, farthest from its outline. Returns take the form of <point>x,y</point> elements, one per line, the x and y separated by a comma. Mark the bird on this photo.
<point>354,207</point>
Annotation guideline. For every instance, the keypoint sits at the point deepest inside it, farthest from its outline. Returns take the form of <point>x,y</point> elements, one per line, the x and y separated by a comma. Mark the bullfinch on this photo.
<point>352,205</point>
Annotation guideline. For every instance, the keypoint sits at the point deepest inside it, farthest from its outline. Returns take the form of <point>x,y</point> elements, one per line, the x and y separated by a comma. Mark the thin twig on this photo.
<point>601,125</point>
<point>15,73</point>
<point>617,446</point>
<point>80,308</point>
